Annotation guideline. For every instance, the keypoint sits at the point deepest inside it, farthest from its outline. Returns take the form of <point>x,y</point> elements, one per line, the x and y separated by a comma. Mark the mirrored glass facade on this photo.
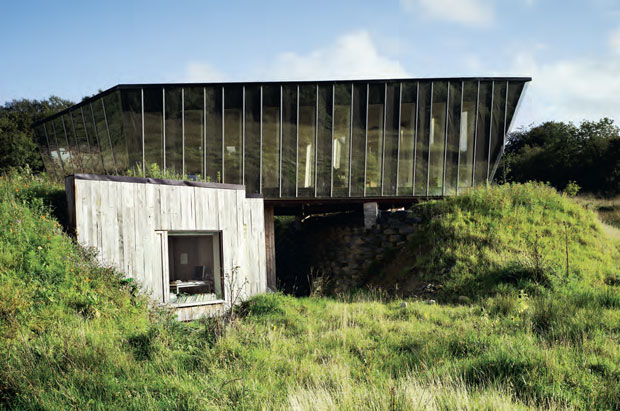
<point>305,140</point>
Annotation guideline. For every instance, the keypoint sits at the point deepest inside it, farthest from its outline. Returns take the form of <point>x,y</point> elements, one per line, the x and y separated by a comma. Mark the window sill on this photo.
<point>196,303</point>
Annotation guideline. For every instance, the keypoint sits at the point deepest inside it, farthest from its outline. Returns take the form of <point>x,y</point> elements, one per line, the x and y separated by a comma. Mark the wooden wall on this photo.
<point>127,222</point>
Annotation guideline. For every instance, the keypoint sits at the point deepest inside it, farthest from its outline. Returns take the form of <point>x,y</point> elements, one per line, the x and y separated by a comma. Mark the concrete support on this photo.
<point>270,248</point>
<point>371,212</point>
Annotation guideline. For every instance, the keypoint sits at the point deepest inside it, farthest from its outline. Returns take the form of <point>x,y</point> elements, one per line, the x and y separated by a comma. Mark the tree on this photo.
<point>18,147</point>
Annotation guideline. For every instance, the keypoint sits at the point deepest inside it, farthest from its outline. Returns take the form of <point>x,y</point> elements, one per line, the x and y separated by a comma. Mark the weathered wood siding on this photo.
<point>128,222</point>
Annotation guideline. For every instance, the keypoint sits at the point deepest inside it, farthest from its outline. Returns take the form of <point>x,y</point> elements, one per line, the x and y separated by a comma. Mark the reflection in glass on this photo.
<point>115,124</point>
<point>341,138</point>
<point>252,139</point>
<point>438,138</point>
<point>103,136</point>
<point>289,140</point>
<point>45,150</point>
<point>50,131</point>
<point>467,133</point>
<point>515,88</point>
<point>82,140</point>
<point>422,138</point>
<point>132,125</point>
<point>63,146</point>
<point>72,143</point>
<point>358,139</point>
<point>153,127</point>
<point>390,166</point>
<point>91,133</point>
<point>307,137</point>
<point>173,127</point>
<point>483,132</point>
<point>374,148</point>
<point>271,141</point>
<point>324,140</point>
<point>497,125</point>
<point>214,134</point>
<point>454,128</point>
<point>407,137</point>
<point>193,129</point>
<point>233,130</point>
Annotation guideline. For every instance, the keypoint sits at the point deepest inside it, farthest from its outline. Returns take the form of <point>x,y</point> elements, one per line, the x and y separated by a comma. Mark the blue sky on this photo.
<point>71,49</point>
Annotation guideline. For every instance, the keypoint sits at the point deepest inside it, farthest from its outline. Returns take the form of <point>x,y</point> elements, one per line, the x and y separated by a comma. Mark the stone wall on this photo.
<point>340,247</point>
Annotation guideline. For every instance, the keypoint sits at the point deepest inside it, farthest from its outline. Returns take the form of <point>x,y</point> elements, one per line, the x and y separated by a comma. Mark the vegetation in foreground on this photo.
<point>75,335</point>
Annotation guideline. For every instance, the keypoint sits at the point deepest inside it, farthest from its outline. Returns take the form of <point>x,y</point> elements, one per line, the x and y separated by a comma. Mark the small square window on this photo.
<point>195,273</point>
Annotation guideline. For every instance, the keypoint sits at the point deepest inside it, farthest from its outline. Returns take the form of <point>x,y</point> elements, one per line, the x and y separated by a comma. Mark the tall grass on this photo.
<point>77,336</point>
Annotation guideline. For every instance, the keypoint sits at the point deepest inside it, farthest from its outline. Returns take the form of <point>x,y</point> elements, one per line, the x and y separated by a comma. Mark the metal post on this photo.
<point>163,125</point>
<point>331,179</point>
<point>400,103</point>
<point>243,135</point>
<point>62,164</point>
<point>316,142</point>
<point>458,161</point>
<point>351,138</point>
<point>183,131</point>
<point>64,130</point>
<point>260,159</point>
<point>366,138</point>
<point>85,129</point>
<point>445,144</point>
<point>415,136</point>
<point>92,113</point>
<point>490,130</point>
<point>222,173</point>
<point>280,174</point>
<point>70,114</point>
<point>47,140</point>
<point>383,137</point>
<point>297,148</point>
<point>428,158</point>
<point>473,163</point>
<point>204,133</point>
<point>143,149</point>
<point>107,127</point>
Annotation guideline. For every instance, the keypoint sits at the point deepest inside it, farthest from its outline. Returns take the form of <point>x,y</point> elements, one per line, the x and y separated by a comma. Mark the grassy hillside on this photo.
<point>75,335</point>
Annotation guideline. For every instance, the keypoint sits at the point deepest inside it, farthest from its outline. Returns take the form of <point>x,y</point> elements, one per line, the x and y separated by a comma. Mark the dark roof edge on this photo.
<point>161,181</point>
<point>240,83</point>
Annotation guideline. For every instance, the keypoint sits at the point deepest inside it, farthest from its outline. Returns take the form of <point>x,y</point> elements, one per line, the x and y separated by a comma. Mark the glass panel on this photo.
<point>342,137</point>
<point>73,147</point>
<point>82,140</point>
<point>422,136</point>
<point>194,131</point>
<point>63,147</point>
<point>103,136</point>
<point>374,149</point>
<point>89,126</point>
<point>454,127</point>
<point>115,123</point>
<point>407,138</point>
<point>214,134</point>
<point>252,139</point>
<point>45,150</point>
<point>289,140</point>
<point>497,125</point>
<point>174,130</point>
<point>233,130</point>
<point>153,127</point>
<point>390,167</point>
<point>438,138</point>
<point>483,130</point>
<point>271,141</point>
<point>324,141</point>
<point>514,93</point>
<point>49,129</point>
<point>467,133</point>
<point>358,141</point>
<point>132,125</point>
<point>307,136</point>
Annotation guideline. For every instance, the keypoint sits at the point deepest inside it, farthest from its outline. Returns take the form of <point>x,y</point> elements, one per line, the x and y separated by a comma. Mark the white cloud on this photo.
<point>196,72</point>
<point>614,41</point>
<point>351,56</point>
<point>570,90</point>
<point>475,13</point>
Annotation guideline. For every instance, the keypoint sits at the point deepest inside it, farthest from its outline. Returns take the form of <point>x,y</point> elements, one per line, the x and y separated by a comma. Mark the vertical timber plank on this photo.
<point>270,247</point>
